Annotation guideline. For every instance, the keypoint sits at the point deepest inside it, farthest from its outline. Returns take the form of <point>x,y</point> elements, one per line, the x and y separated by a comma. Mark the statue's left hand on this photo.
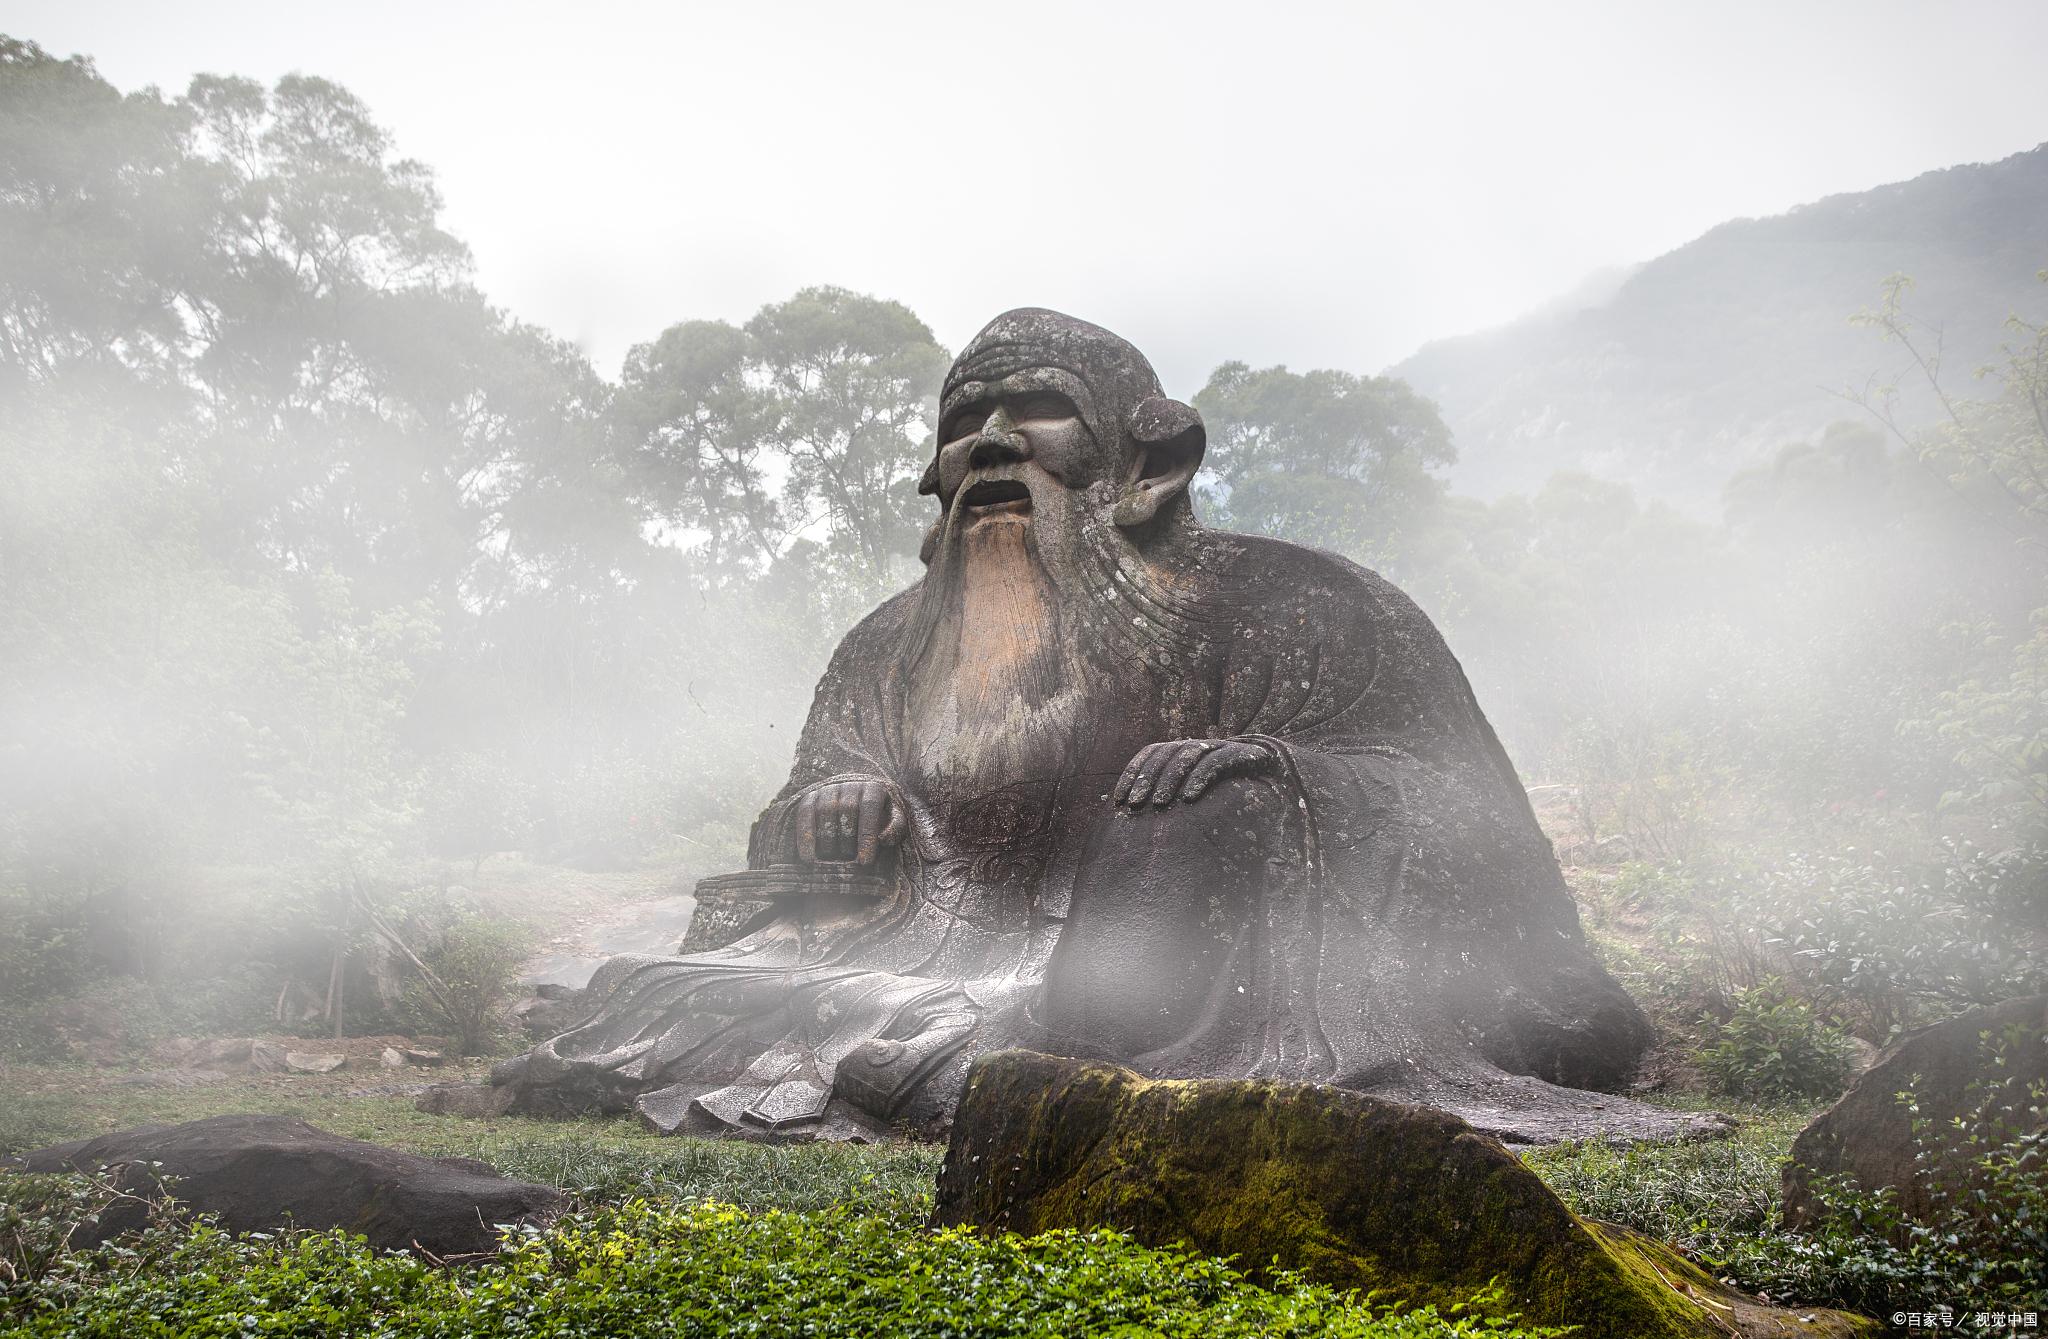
<point>1182,769</point>
<point>848,818</point>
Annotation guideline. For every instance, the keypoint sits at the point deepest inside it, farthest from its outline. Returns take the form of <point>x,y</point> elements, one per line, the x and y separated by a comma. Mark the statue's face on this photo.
<point>1015,446</point>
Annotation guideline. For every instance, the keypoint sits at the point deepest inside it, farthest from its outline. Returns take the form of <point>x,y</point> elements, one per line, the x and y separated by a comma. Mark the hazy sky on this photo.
<point>1314,184</point>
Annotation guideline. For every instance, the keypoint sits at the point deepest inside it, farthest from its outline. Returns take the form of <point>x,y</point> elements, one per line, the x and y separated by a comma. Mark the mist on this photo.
<point>341,605</point>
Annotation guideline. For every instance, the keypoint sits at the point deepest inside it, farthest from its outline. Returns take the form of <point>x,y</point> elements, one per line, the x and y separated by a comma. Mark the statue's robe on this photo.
<point>1375,909</point>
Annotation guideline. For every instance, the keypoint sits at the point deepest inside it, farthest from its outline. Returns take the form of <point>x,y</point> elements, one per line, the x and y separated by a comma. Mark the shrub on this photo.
<point>40,1216</point>
<point>1984,1239</point>
<point>1773,1048</point>
<point>473,965</point>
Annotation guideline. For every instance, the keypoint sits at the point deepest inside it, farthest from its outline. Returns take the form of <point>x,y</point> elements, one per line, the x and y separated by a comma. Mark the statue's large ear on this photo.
<point>1170,443</point>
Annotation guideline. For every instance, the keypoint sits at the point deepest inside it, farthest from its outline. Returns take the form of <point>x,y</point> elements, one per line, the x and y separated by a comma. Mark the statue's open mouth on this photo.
<point>992,497</point>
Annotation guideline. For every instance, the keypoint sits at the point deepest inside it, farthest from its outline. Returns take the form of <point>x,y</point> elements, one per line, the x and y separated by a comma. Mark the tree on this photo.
<point>796,440</point>
<point>852,385</point>
<point>695,429</point>
<point>1324,458</point>
<point>1993,449</point>
<point>1992,452</point>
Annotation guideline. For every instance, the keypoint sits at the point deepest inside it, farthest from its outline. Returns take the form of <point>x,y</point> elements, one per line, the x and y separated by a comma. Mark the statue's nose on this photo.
<point>999,443</point>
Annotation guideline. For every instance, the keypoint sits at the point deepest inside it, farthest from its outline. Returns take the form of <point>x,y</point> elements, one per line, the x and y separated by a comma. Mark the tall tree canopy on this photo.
<point>1325,457</point>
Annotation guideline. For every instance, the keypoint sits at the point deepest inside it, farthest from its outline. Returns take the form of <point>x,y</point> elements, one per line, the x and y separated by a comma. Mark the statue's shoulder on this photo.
<point>1279,582</point>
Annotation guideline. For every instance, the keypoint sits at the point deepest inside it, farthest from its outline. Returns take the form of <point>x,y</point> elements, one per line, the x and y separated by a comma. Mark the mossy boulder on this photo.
<point>1346,1189</point>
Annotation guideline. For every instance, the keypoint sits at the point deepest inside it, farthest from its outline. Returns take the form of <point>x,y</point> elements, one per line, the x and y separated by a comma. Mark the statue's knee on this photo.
<point>1233,813</point>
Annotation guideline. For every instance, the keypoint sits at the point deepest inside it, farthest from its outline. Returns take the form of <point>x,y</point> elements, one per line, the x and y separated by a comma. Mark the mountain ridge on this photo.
<point>1708,358</point>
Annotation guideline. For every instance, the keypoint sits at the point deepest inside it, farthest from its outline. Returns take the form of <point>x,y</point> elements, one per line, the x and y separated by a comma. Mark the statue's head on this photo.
<point>1046,419</point>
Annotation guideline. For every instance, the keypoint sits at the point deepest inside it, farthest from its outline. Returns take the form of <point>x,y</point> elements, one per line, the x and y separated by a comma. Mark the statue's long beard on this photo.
<point>1024,634</point>
<point>993,657</point>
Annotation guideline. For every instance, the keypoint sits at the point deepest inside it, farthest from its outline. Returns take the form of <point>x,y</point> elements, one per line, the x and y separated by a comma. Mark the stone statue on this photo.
<point>1109,784</point>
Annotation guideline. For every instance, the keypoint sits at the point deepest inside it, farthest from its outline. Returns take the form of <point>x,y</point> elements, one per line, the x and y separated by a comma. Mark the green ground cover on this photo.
<point>704,1269</point>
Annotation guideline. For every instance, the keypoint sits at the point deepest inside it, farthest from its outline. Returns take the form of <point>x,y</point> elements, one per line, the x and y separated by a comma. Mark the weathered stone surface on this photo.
<point>716,922</point>
<point>312,1062</point>
<point>224,1053</point>
<point>1108,782</point>
<point>552,1010</point>
<point>1867,1134</point>
<point>230,1055</point>
<point>1347,1189</point>
<point>173,1050</point>
<point>261,1173</point>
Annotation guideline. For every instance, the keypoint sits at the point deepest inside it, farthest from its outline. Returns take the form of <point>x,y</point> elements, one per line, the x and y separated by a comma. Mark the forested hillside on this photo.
<point>1705,360</point>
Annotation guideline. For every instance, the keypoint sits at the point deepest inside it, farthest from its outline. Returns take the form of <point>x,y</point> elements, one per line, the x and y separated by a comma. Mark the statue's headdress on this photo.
<point>1123,400</point>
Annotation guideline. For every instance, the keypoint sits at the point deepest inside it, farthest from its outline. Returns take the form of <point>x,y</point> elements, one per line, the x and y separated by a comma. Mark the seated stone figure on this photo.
<point>1109,784</point>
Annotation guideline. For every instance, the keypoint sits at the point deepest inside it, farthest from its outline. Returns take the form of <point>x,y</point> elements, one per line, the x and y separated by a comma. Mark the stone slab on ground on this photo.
<point>1350,1190</point>
<point>478,1101</point>
<point>172,1078</point>
<point>1867,1135</point>
<point>263,1173</point>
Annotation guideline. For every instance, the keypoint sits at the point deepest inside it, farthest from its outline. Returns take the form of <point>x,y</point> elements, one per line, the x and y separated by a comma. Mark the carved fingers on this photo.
<point>847,820</point>
<point>1183,769</point>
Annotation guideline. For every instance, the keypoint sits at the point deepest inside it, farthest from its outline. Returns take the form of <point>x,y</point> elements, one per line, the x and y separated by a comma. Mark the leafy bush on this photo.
<point>1985,1236</point>
<point>470,973</point>
<point>707,1270</point>
<point>40,1216</point>
<point>1774,1049</point>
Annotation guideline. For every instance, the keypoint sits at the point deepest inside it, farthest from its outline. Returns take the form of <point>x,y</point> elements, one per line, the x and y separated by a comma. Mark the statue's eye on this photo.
<point>965,423</point>
<point>1042,405</point>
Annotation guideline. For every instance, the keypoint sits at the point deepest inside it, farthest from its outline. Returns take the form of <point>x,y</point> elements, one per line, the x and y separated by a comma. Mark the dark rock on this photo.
<point>1350,1190</point>
<point>224,1053</point>
<point>173,1050</point>
<point>232,1055</point>
<point>475,1100</point>
<point>1867,1135</point>
<point>264,1173</point>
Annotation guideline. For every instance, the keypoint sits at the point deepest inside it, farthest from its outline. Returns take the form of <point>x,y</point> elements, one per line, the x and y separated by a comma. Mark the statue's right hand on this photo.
<point>847,819</point>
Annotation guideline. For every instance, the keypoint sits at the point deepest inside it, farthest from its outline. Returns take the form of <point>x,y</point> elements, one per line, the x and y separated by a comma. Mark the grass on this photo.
<point>604,1161</point>
<point>1693,1195</point>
